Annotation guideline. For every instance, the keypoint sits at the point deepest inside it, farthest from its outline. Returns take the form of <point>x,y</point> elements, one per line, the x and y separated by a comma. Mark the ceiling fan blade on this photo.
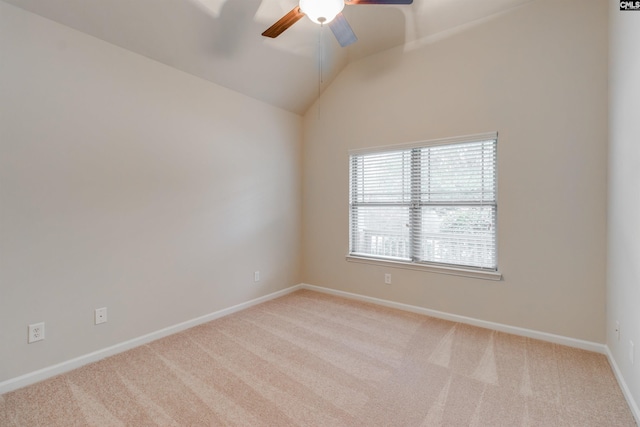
<point>342,30</point>
<point>284,23</point>
<point>378,1</point>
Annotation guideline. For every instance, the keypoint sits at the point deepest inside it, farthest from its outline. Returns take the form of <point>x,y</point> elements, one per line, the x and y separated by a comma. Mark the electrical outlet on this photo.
<point>631,351</point>
<point>618,330</point>
<point>256,276</point>
<point>101,315</point>
<point>36,332</point>
<point>387,278</point>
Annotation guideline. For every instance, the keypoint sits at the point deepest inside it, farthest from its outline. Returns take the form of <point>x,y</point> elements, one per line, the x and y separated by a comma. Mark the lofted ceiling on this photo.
<point>220,40</point>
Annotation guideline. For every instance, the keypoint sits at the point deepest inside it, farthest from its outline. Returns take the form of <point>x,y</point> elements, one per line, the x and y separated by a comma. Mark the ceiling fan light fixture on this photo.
<point>321,11</point>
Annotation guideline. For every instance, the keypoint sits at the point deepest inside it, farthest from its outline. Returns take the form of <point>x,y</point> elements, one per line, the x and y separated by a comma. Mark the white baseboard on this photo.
<point>51,371</point>
<point>623,385</point>
<point>529,333</point>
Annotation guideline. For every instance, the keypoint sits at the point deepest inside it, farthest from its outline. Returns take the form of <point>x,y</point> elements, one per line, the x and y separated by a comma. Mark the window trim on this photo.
<point>473,272</point>
<point>431,268</point>
<point>428,143</point>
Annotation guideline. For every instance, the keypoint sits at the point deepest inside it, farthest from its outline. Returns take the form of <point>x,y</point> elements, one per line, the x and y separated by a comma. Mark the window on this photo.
<point>432,203</point>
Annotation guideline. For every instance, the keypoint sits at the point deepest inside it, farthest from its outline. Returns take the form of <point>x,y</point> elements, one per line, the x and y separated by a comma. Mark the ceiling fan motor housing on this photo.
<point>321,11</point>
<point>325,12</point>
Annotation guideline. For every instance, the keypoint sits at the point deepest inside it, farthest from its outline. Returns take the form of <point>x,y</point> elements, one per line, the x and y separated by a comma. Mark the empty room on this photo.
<point>319,212</point>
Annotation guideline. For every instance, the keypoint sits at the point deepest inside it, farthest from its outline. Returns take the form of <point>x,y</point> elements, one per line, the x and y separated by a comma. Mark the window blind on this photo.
<point>434,203</point>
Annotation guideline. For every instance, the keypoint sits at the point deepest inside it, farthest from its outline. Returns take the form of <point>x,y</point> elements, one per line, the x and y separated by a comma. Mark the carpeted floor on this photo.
<point>310,359</point>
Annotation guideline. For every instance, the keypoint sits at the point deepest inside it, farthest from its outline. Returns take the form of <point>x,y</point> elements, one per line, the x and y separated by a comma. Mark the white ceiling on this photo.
<point>220,40</point>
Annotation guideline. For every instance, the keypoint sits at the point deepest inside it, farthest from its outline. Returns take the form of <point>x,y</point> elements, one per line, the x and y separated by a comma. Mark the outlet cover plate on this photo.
<point>36,332</point>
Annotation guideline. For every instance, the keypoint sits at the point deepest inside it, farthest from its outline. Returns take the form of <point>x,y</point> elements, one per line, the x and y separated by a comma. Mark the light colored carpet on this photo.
<point>310,359</point>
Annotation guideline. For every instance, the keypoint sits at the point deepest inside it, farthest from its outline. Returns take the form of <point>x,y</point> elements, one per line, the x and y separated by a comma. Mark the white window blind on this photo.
<point>431,203</point>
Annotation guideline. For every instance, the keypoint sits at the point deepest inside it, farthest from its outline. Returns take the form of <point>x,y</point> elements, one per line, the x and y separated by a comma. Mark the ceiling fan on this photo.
<point>325,12</point>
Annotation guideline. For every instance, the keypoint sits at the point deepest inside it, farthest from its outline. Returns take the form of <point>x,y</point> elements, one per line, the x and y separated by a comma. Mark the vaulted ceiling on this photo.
<point>220,40</point>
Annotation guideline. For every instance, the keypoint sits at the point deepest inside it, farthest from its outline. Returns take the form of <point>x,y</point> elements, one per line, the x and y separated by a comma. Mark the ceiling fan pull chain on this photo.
<point>320,65</point>
<point>321,54</point>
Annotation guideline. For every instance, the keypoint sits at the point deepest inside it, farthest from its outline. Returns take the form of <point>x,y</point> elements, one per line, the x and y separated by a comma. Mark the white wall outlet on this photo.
<point>631,351</point>
<point>618,330</point>
<point>256,276</point>
<point>387,278</point>
<point>36,332</point>
<point>101,315</point>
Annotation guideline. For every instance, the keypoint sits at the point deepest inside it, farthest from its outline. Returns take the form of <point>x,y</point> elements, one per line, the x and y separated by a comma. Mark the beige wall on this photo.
<point>538,76</point>
<point>127,184</point>
<point>623,292</point>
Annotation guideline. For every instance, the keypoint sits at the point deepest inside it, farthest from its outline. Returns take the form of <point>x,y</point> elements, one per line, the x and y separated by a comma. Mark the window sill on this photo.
<point>453,271</point>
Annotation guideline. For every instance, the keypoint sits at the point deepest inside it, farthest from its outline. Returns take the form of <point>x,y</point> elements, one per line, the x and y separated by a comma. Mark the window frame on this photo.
<point>444,268</point>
